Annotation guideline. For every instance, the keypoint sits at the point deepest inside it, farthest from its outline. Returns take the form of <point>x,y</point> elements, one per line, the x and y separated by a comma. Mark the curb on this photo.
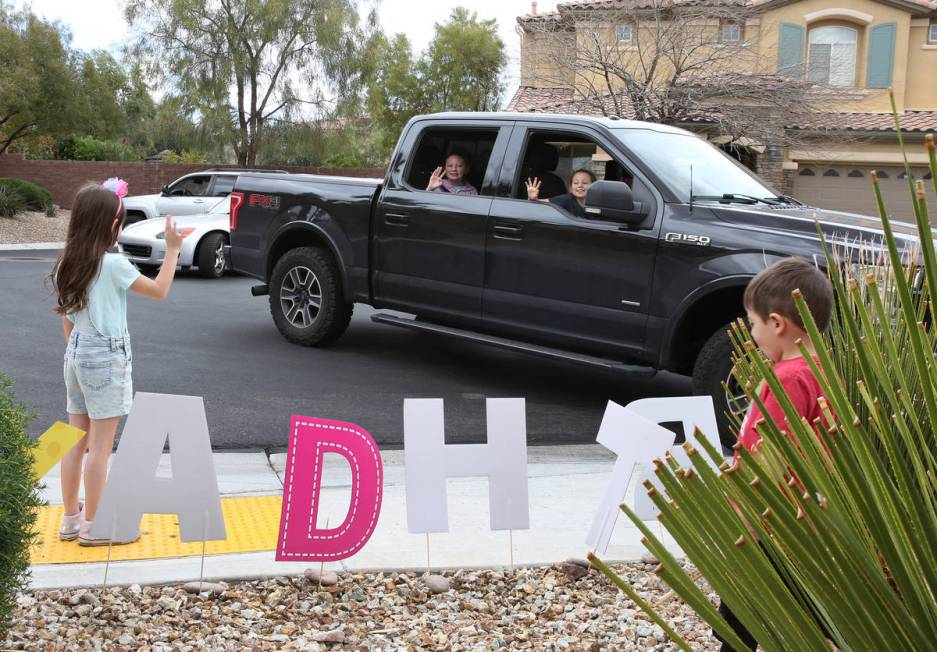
<point>28,246</point>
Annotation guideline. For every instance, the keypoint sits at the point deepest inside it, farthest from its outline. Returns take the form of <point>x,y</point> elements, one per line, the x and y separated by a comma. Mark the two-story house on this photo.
<point>856,50</point>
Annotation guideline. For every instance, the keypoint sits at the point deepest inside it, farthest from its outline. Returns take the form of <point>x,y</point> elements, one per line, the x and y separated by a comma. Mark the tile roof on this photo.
<point>910,121</point>
<point>598,5</point>
<point>562,100</point>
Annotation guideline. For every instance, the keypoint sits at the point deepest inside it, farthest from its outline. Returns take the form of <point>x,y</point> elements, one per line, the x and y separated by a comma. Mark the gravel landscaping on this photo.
<point>562,607</point>
<point>34,227</point>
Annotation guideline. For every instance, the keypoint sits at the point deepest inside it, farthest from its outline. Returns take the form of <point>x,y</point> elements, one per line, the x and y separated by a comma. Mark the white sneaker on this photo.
<point>85,538</point>
<point>71,523</point>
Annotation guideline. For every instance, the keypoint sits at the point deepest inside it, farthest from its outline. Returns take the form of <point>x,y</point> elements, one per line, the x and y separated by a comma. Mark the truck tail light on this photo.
<point>237,200</point>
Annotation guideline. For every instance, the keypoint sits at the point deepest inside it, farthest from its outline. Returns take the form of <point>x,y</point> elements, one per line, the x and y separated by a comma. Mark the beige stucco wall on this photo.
<point>879,152</point>
<point>921,90</point>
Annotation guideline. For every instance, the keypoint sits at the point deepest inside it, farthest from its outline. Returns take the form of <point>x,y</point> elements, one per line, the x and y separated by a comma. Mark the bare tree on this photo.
<point>670,62</point>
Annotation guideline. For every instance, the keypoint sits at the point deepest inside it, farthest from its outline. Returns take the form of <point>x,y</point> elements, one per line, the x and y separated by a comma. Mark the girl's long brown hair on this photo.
<point>91,232</point>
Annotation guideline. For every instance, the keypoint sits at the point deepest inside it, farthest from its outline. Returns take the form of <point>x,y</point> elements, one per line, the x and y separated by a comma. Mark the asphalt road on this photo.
<point>212,339</point>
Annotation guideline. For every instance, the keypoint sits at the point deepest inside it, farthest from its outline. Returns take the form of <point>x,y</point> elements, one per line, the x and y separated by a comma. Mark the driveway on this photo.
<point>212,339</point>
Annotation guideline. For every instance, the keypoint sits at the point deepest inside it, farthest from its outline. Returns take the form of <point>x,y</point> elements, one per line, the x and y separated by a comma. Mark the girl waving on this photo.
<point>91,286</point>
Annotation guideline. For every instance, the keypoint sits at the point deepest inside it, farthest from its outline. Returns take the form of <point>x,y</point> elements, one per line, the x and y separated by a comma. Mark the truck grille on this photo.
<point>142,251</point>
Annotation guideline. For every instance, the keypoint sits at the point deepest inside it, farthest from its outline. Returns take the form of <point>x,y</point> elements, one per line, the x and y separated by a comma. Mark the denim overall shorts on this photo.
<point>98,373</point>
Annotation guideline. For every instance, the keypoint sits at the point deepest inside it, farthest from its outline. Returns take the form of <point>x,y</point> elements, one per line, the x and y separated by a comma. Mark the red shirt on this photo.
<point>801,387</point>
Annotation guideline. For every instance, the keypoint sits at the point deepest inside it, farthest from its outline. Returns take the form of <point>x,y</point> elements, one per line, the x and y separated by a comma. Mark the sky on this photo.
<point>100,24</point>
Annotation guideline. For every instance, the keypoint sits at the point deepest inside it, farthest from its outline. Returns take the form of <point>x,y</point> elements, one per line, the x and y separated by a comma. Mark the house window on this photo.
<point>807,172</point>
<point>855,174</point>
<point>624,33</point>
<point>831,173</point>
<point>932,33</point>
<point>731,33</point>
<point>831,57</point>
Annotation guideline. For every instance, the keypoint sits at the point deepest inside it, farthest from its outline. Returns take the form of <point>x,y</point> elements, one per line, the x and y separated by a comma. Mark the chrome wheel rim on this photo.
<point>736,399</point>
<point>300,297</point>
<point>219,258</point>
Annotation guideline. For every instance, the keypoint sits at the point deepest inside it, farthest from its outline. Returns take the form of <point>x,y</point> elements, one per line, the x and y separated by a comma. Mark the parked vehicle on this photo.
<point>203,247</point>
<point>650,279</point>
<point>205,191</point>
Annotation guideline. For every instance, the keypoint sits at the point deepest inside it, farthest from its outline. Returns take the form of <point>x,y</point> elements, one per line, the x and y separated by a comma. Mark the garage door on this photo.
<point>850,189</point>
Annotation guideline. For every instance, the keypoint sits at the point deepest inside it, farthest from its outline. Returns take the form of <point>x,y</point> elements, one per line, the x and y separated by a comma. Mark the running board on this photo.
<point>514,345</point>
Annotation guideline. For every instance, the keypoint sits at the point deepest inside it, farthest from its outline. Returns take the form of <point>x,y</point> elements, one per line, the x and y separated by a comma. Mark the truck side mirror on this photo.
<point>613,201</point>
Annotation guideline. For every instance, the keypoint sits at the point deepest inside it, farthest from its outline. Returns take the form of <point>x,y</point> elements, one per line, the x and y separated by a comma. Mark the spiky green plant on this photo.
<point>849,514</point>
<point>19,500</point>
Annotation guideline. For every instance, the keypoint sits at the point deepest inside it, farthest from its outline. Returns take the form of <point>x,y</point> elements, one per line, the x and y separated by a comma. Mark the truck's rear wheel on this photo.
<point>305,297</point>
<point>713,367</point>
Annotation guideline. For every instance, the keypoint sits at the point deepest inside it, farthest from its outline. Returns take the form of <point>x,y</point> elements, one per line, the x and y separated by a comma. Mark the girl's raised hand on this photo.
<point>533,188</point>
<point>435,179</point>
<point>173,237</point>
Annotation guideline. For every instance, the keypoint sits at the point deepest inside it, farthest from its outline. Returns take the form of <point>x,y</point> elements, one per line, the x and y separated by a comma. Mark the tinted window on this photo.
<point>195,186</point>
<point>224,184</point>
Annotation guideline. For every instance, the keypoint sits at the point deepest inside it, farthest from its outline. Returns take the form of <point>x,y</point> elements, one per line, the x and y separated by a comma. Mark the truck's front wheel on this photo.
<point>305,297</point>
<point>713,368</point>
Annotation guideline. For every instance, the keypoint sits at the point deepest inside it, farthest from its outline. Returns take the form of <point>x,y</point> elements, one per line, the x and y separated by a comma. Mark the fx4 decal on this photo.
<point>687,238</point>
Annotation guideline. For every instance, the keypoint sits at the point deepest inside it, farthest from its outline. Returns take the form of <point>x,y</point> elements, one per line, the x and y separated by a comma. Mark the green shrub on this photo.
<point>19,500</point>
<point>89,148</point>
<point>849,514</point>
<point>185,156</point>
<point>11,202</point>
<point>35,197</point>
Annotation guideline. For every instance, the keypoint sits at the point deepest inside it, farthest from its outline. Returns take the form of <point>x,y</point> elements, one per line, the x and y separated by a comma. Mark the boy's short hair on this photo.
<point>770,291</point>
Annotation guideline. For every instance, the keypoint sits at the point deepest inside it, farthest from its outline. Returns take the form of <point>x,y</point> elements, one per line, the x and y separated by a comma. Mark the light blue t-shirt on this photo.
<point>107,297</point>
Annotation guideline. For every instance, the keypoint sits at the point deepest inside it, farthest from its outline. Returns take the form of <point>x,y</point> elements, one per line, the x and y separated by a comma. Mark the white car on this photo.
<point>206,235</point>
<point>205,191</point>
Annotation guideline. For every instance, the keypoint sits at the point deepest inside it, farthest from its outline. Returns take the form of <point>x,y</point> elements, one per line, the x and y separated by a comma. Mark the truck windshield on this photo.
<point>716,175</point>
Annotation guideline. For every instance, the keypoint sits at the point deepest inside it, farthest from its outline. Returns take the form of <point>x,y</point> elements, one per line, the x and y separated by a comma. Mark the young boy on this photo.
<point>776,326</point>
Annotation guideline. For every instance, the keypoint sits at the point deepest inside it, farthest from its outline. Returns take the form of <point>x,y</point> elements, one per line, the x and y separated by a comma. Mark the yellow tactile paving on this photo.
<point>252,524</point>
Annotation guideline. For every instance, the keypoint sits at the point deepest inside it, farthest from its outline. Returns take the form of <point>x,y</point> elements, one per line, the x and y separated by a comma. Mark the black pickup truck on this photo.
<point>649,279</point>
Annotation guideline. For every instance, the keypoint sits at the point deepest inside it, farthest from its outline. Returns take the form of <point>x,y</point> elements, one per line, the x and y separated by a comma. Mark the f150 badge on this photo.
<point>687,238</point>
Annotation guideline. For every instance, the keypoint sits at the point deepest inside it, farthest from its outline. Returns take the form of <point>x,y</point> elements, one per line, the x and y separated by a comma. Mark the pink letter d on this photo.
<point>310,439</point>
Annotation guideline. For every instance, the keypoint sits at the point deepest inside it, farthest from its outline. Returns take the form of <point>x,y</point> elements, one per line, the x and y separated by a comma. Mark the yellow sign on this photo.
<point>53,445</point>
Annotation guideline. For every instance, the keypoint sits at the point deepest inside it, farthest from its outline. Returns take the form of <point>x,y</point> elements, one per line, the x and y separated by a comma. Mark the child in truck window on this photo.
<point>91,286</point>
<point>575,200</point>
<point>451,178</point>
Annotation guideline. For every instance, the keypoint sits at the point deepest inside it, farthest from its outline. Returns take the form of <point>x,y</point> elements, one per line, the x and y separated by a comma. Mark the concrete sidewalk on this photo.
<point>28,246</point>
<point>565,486</point>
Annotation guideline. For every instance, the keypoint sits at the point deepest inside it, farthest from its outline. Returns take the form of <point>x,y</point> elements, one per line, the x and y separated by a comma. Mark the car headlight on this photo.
<point>182,232</point>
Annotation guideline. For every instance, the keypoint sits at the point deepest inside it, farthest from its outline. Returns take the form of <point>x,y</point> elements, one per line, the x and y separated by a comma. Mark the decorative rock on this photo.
<point>327,578</point>
<point>167,604</point>
<point>436,583</point>
<point>125,639</point>
<point>212,588</point>
<point>331,636</point>
<point>573,570</point>
<point>649,558</point>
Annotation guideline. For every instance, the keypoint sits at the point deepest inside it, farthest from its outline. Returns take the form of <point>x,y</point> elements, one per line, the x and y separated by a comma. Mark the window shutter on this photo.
<point>881,55</point>
<point>791,50</point>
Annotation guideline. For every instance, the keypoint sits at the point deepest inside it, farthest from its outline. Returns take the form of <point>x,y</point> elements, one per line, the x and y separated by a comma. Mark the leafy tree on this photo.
<point>261,52</point>
<point>98,106</point>
<point>460,71</point>
<point>464,62</point>
<point>37,87</point>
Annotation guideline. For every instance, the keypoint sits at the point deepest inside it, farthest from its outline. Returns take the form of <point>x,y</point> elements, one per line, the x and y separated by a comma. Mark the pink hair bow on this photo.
<point>116,185</point>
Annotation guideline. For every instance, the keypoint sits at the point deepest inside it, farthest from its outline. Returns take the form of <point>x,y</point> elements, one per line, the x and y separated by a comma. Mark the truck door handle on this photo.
<point>398,219</point>
<point>508,231</point>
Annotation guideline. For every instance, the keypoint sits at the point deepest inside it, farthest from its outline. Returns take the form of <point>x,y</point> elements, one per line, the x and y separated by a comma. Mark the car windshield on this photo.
<point>715,174</point>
